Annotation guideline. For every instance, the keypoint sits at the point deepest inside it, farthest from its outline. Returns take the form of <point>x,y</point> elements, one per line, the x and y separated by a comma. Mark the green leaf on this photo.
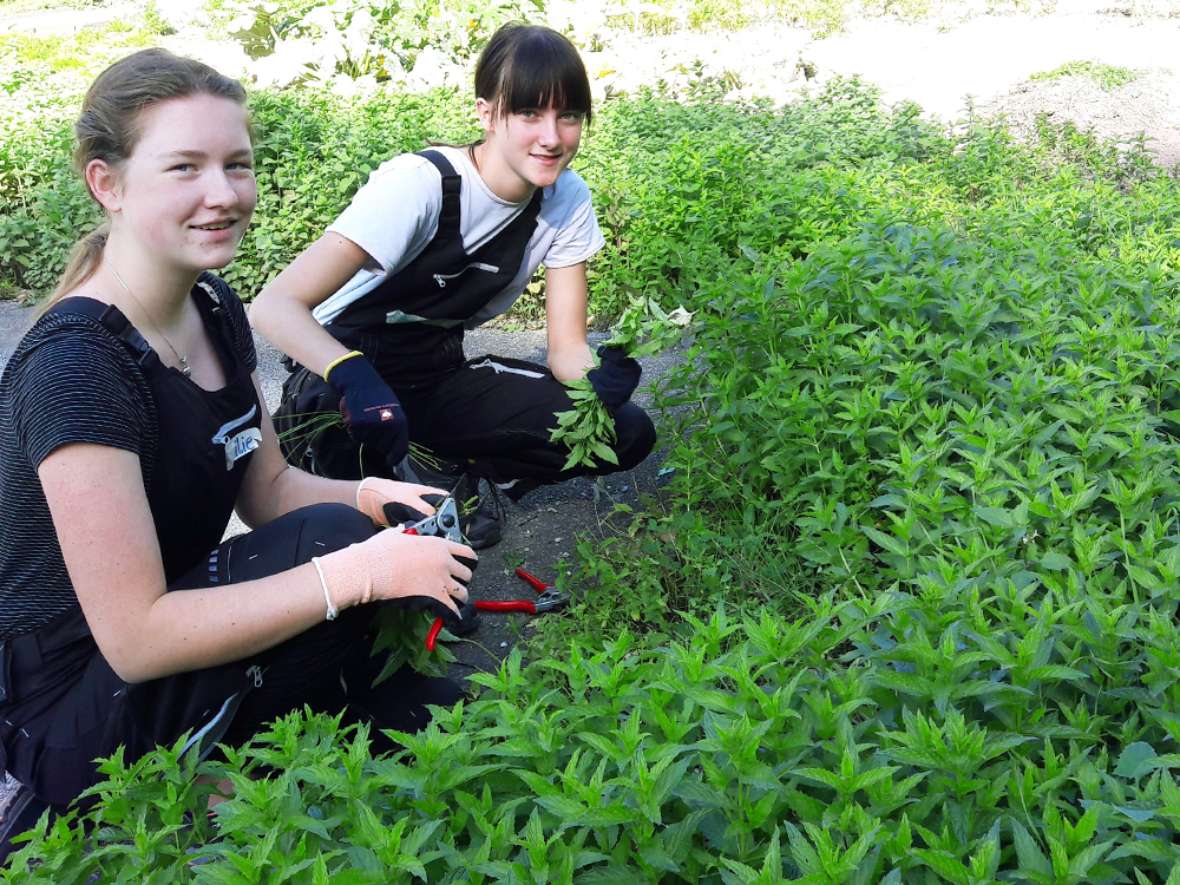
<point>1055,561</point>
<point>996,516</point>
<point>1135,760</point>
<point>605,452</point>
<point>609,875</point>
<point>890,543</point>
<point>566,809</point>
<point>1029,853</point>
<point>943,863</point>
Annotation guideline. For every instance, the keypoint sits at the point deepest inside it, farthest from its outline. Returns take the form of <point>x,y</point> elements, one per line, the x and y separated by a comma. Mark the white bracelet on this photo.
<point>332,611</point>
<point>359,486</point>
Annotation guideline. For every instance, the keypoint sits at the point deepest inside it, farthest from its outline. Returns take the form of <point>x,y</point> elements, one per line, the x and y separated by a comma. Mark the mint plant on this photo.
<point>588,429</point>
<point>904,610</point>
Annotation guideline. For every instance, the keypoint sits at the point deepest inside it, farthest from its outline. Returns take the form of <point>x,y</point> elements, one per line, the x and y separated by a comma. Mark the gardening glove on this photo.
<point>410,571</point>
<point>616,376</point>
<point>390,503</point>
<point>396,512</point>
<point>371,411</point>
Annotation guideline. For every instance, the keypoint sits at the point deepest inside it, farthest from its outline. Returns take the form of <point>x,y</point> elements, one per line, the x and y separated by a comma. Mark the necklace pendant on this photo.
<point>185,369</point>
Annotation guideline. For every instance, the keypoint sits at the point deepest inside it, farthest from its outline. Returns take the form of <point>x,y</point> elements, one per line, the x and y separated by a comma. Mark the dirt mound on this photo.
<point>1146,106</point>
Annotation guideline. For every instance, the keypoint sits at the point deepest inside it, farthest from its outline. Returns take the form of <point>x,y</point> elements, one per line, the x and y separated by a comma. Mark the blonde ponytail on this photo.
<point>83,262</point>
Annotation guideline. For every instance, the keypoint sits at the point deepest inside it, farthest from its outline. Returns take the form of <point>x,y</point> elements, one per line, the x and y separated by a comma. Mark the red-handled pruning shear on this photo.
<point>548,599</point>
<point>444,523</point>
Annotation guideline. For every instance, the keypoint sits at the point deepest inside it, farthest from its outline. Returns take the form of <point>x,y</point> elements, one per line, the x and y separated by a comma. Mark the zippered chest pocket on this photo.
<point>441,279</point>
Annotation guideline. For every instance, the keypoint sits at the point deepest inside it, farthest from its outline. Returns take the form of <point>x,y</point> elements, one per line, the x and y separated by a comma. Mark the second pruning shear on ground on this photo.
<point>445,523</point>
<point>548,599</point>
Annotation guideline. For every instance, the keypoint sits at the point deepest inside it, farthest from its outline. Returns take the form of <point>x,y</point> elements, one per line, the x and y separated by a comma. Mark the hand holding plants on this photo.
<point>395,566</point>
<point>616,376</point>
<point>588,429</point>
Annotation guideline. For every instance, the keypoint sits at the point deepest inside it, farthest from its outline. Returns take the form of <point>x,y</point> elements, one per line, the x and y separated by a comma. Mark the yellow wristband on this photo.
<point>339,360</point>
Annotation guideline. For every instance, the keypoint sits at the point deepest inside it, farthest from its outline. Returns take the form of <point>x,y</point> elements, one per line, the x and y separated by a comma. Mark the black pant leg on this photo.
<point>496,413</point>
<point>305,669</point>
<point>51,747</point>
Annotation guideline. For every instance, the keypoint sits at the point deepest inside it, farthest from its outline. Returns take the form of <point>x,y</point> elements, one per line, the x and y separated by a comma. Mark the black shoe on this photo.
<point>481,520</point>
<point>444,475</point>
<point>468,621</point>
<point>483,524</point>
<point>516,489</point>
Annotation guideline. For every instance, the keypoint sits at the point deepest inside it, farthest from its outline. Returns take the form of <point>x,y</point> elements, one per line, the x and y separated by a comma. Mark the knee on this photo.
<point>330,527</point>
<point>636,435</point>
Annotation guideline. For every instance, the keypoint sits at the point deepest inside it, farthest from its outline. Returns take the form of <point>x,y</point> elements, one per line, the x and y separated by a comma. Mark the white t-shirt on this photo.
<point>395,216</point>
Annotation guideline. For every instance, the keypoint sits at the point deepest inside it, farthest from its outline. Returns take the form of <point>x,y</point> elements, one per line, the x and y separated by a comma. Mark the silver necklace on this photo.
<point>185,368</point>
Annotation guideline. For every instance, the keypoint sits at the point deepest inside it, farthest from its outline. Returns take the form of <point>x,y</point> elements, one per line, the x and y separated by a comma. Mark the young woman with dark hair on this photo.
<point>131,426</point>
<point>438,242</point>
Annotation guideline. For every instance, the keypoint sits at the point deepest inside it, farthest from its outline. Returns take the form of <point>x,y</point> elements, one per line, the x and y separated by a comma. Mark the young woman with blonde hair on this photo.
<point>131,426</point>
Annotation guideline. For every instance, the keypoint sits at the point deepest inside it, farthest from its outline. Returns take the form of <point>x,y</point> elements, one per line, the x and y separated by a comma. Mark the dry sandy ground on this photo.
<point>990,59</point>
<point>962,56</point>
<point>985,61</point>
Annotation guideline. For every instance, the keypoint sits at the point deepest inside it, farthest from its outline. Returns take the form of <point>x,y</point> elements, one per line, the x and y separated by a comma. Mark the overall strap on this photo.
<point>215,288</point>
<point>214,292</point>
<point>452,185</point>
<point>112,319</point>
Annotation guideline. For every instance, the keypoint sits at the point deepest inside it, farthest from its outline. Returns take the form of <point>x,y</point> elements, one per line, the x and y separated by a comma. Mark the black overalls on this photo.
<point>66,706</point>
<point>492,413</point>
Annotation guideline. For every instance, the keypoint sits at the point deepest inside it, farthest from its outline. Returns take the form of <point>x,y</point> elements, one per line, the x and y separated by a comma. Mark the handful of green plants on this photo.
<point>588,429</point>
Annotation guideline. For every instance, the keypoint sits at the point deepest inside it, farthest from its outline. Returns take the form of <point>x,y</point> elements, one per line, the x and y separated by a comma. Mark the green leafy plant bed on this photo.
<point>894,739</point>
<point>1108,77</point>
<point>904,611</point>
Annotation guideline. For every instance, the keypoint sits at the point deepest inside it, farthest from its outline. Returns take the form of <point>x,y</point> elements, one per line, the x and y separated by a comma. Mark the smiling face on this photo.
<point>187,191</point>
<point>527,148</point>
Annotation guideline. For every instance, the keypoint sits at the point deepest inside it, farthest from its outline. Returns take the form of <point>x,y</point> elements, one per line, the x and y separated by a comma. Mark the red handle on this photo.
<point>436,627</point>
<point>510,605</point>
<point>535,582</point>
<point>432,636</point>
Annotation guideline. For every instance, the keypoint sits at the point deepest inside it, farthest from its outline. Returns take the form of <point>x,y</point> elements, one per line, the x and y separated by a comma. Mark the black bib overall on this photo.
<point>66,706</point>
<point>493,414</point>
<point>411,326</point>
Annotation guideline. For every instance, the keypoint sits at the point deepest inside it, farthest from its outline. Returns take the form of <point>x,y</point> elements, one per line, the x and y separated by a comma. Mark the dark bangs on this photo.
<point>529,66</point>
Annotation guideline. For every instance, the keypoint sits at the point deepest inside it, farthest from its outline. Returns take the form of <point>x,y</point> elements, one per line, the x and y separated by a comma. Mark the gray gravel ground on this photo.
<point>541,530</point>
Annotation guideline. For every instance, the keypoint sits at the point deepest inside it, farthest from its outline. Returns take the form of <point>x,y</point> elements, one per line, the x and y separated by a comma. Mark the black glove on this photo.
<point>397,513</point>
<point>616,377</point>
<point>371,411</point>
<point>460,625</point>
<point>468,619</point>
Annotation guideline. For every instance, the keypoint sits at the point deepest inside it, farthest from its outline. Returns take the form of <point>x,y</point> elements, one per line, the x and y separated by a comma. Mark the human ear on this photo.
<point>103,181</point>
<point>487,114</point>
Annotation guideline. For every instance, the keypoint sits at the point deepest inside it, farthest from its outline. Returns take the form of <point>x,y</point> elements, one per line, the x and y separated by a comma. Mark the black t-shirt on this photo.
<point>69,381</point>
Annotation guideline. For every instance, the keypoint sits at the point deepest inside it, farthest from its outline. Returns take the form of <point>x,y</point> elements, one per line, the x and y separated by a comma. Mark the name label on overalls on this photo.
<point>241,443</point>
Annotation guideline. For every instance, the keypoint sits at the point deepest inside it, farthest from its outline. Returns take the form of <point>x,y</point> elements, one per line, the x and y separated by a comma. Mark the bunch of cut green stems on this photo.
<point>588,429</point>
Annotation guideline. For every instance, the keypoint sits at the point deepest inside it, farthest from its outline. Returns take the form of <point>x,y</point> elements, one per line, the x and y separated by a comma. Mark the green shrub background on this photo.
<point>906,609</point>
